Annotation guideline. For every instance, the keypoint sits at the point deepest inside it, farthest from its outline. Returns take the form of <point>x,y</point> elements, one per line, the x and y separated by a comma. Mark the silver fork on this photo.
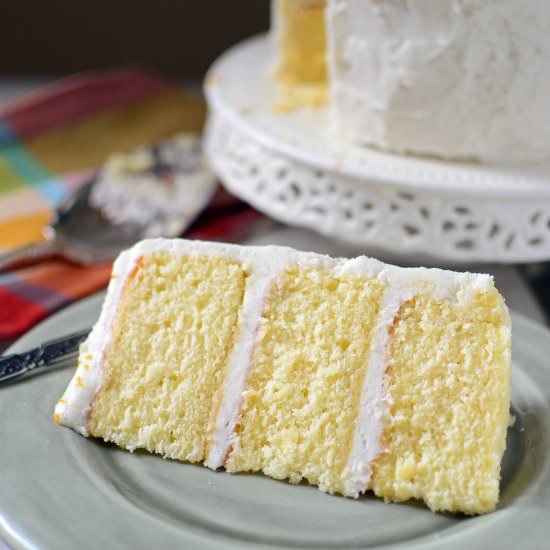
<point>52,353</point>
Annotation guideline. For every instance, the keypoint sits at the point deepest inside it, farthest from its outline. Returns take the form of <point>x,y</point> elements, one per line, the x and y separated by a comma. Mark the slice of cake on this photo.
<point>159,189</point>
<point>349,374</point>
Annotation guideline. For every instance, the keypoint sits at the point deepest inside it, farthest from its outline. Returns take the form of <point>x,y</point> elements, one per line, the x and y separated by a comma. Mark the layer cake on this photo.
<point>350,374</point>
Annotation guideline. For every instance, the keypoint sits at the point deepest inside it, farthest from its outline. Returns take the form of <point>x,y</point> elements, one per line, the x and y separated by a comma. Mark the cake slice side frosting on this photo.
<point>74,406</point>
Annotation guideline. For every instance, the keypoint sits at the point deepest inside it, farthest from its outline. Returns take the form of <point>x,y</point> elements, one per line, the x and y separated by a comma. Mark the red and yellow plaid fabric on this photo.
<point>51,142</point>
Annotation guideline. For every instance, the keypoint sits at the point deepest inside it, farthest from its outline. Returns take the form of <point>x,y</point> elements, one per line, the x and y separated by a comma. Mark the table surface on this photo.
<point>508,279</point>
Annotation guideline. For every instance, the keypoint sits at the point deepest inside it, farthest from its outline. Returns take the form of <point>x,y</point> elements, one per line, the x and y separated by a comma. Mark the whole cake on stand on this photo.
<point>415,127</point>
<point>457,79</point>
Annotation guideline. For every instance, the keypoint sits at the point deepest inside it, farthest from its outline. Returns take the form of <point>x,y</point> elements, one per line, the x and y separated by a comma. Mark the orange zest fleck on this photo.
<point>212,79</point>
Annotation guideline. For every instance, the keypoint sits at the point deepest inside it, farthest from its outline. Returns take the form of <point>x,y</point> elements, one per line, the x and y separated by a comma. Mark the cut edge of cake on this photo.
<point>300,64</point>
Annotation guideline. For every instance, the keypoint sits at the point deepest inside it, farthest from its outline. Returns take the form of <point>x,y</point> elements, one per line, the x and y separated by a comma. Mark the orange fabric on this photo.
<point>67,278</point>
<point>21,231</point>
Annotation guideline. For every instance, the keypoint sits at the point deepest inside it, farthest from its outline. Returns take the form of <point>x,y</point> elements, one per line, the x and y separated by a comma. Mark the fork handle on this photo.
<point>48,354</point>
<point>28,254</point>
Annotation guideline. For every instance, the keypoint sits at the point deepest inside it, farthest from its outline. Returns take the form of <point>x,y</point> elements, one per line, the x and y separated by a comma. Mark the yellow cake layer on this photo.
<point>301,49</point>
<point>448,378</point>
<point>301,401</point>
<point>177,323</point>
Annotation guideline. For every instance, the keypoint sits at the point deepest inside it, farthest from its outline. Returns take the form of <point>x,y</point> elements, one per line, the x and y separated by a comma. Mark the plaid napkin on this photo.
<point>51,142</point>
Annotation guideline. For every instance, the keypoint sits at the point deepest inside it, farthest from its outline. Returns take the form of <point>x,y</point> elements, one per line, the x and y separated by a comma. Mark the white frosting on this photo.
<point>222,437</point>
<point>451,78</point>
<point>264,265</point>
<point>73,407</point>
<point>372,406</point>
<point>160,189</point>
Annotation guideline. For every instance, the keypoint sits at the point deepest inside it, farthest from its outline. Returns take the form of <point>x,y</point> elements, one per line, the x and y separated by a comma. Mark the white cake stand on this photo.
<point>291,167</point>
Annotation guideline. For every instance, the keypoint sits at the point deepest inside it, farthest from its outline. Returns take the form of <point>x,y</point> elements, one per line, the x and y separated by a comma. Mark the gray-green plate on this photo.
<point>60,490</point>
